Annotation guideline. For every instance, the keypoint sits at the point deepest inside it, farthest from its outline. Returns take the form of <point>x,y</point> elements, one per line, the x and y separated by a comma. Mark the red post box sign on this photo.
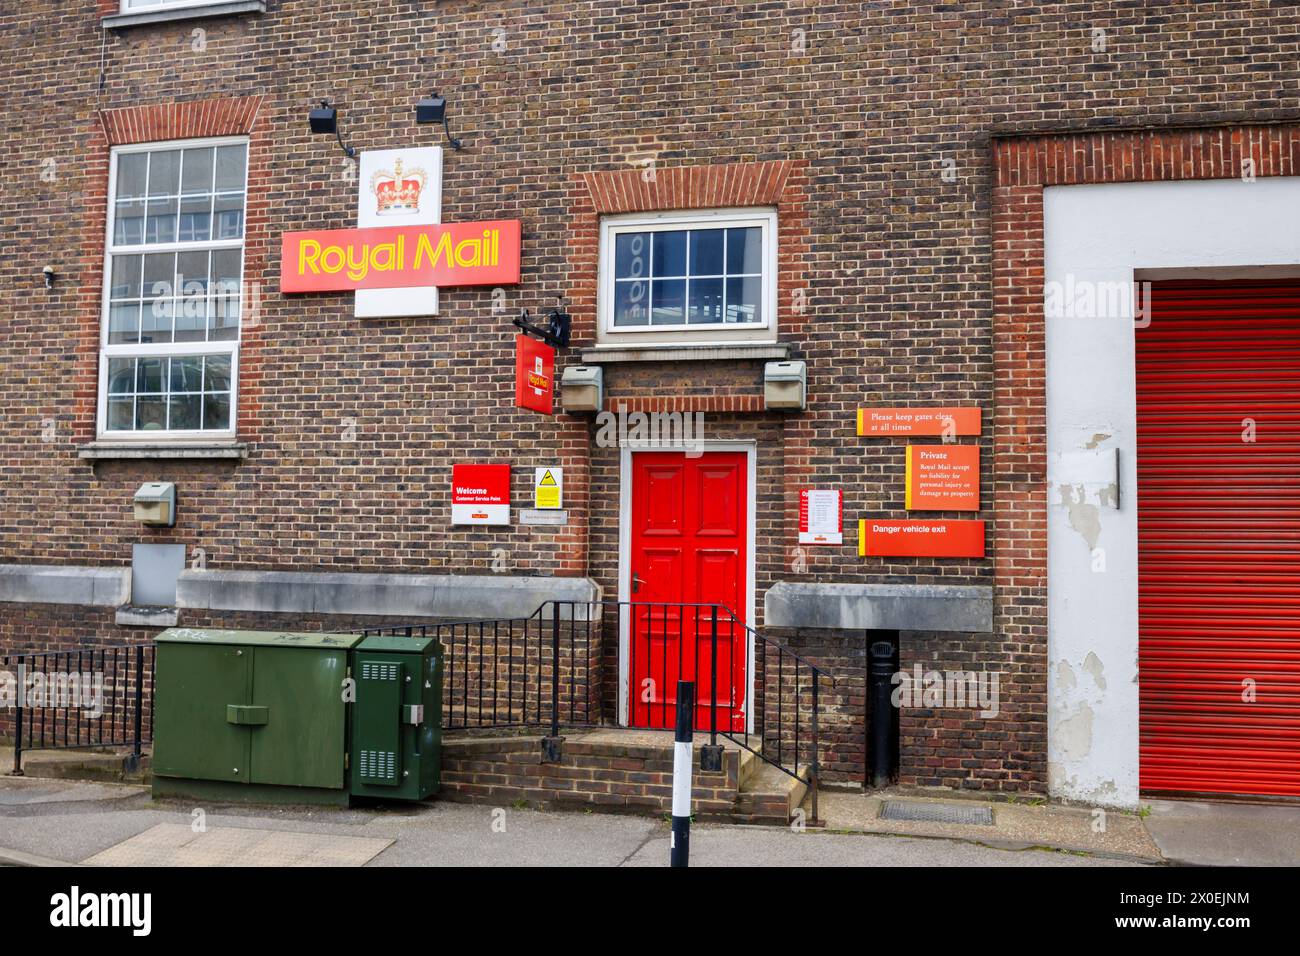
<point>534,375</point>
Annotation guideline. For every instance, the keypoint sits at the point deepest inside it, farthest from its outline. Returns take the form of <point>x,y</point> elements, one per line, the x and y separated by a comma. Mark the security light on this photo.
<point>325,120</point>
<point>434,110</point>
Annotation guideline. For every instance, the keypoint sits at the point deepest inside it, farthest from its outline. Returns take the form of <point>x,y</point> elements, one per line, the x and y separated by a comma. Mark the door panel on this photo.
<point>701,503</point>
<point>300,743</point>
<point>194,685</point>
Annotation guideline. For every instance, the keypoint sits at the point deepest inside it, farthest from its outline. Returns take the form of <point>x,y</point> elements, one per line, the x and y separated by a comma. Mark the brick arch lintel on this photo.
<point>192,119</point>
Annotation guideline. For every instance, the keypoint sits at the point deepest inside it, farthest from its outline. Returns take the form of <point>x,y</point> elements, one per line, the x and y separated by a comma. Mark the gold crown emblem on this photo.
<point>397,192</point>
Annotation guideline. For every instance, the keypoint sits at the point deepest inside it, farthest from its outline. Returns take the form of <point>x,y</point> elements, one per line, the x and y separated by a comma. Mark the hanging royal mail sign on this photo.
<point>401,257</point>
<point>480,494</point>
<point>399,187</point>
<point>534,375</point>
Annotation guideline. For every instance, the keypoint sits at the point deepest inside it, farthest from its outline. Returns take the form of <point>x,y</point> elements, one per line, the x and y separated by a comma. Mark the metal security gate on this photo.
<point>1218,462</point>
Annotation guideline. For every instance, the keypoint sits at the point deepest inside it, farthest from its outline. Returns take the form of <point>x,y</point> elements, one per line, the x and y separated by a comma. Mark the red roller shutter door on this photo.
<point>1219,537</point>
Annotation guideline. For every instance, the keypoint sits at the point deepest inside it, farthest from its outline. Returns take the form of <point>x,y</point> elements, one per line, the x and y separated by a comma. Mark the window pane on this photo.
<point>669,253</point>
<point>184,412</point>
<point>196,171</point>
<point>131,171</point>
<point>159,285</point>
<point>124,324</point>
<point>164,172</point>
<point>192,295</point>
<point>744,300</point>
<point>150,413</point>
<point>224,314</point>
<point>706,252</point>
<point>121,413</point>
<point>121,376</point>
<point>230,167</point>
<point>187,374</point>
<point>668,301</point>
<point>216,376</point>
<point>216,411</point>
<point>160,224</point>
<point>125,283</point>
<point>128,223</point>
<point>631,255</point>
<point>745,251</point>
<point>228,217</point>
<point>196,219</point>
<point>705,301</point>
<point>149,376</point>
<point>630,303</point>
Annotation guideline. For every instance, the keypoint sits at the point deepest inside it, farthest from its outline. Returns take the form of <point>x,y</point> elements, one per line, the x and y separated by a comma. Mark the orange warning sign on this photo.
<point>959,538</point>
<point>919,421</point>
<point>943,478</point>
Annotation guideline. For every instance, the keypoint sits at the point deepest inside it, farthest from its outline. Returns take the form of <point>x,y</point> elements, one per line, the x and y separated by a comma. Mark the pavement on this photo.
<point>69,822</point>
<point>1201,833</point>
<point>62,816</point>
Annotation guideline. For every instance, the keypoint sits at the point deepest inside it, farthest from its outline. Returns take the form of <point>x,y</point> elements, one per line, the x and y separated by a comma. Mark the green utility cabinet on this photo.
<point>257,715</point>
<point>397,717</point>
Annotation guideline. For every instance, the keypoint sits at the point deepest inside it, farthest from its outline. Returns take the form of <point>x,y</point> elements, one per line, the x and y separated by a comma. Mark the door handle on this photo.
<point>636,582</point>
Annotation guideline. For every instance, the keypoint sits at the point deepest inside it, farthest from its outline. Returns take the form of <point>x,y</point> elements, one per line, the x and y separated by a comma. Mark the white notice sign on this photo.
<point>820,517</point>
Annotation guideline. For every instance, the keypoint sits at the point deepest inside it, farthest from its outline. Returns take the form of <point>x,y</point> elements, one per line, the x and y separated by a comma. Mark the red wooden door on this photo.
<point>688,547</point>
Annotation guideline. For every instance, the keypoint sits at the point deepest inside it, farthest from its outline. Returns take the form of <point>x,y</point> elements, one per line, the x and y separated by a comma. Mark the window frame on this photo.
<point>231,347</point>
<point>131,6</point>
<point>679,220</point>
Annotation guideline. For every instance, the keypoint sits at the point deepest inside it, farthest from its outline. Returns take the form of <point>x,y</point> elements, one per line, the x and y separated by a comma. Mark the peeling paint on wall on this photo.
<point>1074,734</point>
<point>1085,517</point>
<point>1065,676</point>
<point>1092,664</point>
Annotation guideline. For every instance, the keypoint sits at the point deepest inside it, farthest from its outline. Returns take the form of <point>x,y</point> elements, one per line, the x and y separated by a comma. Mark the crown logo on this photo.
<point>397,192</point>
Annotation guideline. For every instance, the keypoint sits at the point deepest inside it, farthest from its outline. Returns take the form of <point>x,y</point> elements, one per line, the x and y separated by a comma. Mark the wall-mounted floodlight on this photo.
<point>434,110</point>
<point>325,120</point>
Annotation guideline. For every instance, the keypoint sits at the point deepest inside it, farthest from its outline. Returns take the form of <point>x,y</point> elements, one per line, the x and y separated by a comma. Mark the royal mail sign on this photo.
<point>480,494</point>
<point>463,253</point>
<point>534,375</point>
<point>398,187</point>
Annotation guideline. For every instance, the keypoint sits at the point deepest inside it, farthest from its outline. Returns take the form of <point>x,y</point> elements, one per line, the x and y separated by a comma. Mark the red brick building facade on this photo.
<point>902,152</point>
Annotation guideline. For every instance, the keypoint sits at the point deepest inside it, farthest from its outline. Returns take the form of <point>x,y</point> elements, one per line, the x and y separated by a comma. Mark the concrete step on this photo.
<point>112,766</point>
<point>769,796</point>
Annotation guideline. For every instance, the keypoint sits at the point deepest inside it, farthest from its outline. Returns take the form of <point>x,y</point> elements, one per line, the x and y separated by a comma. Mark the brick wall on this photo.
<point>605,776</point>
<point>914,254</point>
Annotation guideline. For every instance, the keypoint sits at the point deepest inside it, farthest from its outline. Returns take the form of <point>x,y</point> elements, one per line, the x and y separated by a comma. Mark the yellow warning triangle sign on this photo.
<point>547,479</point>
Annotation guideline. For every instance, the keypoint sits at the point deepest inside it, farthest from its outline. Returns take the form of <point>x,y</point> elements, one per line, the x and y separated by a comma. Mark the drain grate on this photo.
<point>936,813</point>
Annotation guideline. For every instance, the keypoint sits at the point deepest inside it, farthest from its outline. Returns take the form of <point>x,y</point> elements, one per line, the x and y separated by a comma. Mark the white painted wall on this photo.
<point>1106,234</point>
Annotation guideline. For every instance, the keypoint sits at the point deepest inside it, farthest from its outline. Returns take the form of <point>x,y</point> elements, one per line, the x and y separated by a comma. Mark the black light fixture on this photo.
<point>325,120</point>
<point>434,110</point>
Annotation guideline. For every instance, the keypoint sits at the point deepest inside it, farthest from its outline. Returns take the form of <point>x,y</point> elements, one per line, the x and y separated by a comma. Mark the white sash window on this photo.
<point>172,290</point>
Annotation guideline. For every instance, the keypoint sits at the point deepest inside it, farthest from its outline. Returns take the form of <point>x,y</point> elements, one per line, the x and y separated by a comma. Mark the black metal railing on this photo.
<point>544,671</point>
<point>90,697</point>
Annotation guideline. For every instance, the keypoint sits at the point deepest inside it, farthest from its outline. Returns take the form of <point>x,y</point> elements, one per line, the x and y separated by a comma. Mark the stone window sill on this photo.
<point>101,451</point>
<point>215,8</point>
<point>772,351</point>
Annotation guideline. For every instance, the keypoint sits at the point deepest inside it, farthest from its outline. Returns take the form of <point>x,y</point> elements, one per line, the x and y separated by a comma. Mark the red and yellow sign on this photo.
<point>920,539</point>
<point>943,478</point>
<point>534,375</point>
<point>918,421</point>
<point>398,257</point>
